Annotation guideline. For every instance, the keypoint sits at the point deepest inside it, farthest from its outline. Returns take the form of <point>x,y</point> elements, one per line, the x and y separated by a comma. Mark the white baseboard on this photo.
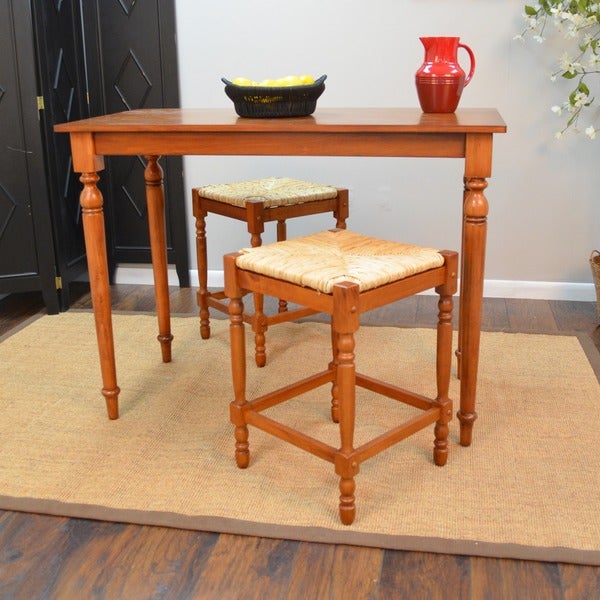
<point>142,275</point>
<point>539,290</point>
<point>493,288</point>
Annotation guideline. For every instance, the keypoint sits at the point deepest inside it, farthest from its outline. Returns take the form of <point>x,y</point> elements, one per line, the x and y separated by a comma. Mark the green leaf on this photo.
<point>529,10</point>
<point>569,75</point>
<point>582,5</point>
<point>583,89</point>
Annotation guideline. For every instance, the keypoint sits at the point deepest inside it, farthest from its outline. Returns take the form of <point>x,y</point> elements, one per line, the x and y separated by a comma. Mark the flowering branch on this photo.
<point>579,20</point>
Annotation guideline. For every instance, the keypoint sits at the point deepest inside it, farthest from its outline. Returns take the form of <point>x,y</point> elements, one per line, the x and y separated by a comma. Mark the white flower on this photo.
<point>591,132</point>
<point>557,110</point>
<point>531,23</point>
<point>574,67</point>
<point>580,99</point>
<point>558,135</point>
<point>539,39</point>
<point>565,62</point>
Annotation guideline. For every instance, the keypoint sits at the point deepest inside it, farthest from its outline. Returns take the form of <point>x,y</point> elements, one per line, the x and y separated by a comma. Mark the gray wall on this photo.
<point>544,206</point>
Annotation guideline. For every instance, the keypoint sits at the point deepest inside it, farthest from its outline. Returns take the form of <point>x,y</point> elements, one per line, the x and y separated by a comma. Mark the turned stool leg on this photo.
<point>443,366</point>
<point>344,324</point>
<point>238,365</point>
<point>444,360</point>
<point>281,237</point>
<point>335,401</point>
<point>259,325</point>
<point>201,254</point>
<point>256,226</point>
<point>347,500</point>
<point>346,387</point>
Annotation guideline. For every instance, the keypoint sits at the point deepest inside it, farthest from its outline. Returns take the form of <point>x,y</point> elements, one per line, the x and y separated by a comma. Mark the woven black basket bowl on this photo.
<point>258,102</point>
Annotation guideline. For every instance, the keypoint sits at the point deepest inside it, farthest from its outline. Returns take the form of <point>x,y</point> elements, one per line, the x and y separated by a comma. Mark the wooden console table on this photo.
<point>384,132</point>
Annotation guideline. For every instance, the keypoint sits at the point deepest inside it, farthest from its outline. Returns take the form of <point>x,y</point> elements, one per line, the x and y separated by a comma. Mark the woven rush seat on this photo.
<point>273,191</point>
<point>343,274</point>
<point>256,202</point>
<point>321,260</point>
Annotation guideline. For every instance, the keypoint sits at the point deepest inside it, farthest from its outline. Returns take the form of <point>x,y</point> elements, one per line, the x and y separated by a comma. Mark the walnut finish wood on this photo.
<point>93,219</point>
<point>344,305</point>
<point>375,132</point>
<point>45,557</point>
<point>155,194</point>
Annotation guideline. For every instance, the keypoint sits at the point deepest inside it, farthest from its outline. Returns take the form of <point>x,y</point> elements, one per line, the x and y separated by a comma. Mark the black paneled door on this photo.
<point>61,67</point>
<point>27,260</point>
<point>135,41</point>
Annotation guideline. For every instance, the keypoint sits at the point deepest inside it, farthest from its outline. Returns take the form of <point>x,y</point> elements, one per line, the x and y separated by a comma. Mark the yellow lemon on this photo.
<point>286,81</point>
<point>241,81</point>
<point>290,80</point>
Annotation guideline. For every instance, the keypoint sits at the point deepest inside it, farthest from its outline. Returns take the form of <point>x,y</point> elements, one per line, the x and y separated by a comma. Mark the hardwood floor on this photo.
<point>52,557</point>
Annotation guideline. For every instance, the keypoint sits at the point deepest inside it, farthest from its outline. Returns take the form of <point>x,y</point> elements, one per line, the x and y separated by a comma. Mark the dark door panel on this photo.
<point>27,260</point>
<point>136,45</point>
<point>60,57</point>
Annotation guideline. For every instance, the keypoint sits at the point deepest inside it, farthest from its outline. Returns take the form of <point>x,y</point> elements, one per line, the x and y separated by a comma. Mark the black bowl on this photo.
<point>259,102</point>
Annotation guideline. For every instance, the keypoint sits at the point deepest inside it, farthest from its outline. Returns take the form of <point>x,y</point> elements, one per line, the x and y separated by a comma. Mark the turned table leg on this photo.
<point>471,302</point>
<point>95,243</point>
<point>478,166</point>
<point>155,198</point>
<point>461,318</point>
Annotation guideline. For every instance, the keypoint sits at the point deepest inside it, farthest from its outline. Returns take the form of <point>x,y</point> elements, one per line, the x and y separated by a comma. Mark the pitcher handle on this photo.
<point>472,59</point>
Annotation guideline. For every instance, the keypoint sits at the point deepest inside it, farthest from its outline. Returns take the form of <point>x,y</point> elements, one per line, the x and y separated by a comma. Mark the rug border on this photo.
<point>323,535</point>
<point>25,323</point>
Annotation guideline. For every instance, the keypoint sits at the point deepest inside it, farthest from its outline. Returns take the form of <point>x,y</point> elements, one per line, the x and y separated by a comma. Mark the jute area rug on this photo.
<point>527,488</point>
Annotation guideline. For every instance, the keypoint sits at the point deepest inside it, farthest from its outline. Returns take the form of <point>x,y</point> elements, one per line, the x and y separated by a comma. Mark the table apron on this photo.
<point>377,144</point>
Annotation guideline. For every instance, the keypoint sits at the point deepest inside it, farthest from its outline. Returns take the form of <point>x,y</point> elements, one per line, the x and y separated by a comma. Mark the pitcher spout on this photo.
<point>440,47</point>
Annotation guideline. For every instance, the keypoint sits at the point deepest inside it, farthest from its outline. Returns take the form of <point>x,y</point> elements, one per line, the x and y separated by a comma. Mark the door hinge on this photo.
<point>58,282</point>
<point>40,102</point>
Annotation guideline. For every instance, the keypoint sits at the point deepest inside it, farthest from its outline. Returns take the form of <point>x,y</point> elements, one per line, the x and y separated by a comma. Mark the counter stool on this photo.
<point>257,202</point>
<point>343,274</point>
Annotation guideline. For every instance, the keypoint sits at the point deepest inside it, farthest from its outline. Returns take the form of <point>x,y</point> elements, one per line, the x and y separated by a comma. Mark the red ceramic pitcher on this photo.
<point>440,79</point>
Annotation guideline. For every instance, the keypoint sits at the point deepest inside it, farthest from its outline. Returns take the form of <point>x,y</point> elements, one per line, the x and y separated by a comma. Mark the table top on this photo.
<point>341,120</point>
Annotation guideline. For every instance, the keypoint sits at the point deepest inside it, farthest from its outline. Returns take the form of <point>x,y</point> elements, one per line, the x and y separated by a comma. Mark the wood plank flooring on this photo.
<point>51,557</point>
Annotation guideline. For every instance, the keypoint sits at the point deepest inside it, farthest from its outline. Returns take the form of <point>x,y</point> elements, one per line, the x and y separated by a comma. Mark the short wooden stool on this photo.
<point>257,202</point>
<point>343,274</point>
